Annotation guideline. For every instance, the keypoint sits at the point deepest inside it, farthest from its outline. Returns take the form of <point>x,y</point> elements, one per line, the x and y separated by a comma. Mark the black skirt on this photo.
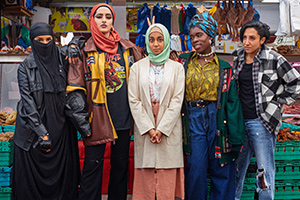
<point>54,175</point>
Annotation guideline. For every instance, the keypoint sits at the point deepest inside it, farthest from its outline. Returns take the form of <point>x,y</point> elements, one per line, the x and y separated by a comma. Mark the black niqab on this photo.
<point>47,59</point>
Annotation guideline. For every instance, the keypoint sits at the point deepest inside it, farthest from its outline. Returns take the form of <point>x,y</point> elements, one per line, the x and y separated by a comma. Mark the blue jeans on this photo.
<point>258,142</point>
<point>202,160</point>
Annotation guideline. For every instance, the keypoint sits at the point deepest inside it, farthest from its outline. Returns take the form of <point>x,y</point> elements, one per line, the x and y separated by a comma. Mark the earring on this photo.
<point>112,28</point>
<point>210,41</point>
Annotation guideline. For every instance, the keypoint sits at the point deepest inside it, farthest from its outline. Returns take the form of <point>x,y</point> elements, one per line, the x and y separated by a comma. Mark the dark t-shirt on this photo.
<point>246,92</point>
<point>116,89</point>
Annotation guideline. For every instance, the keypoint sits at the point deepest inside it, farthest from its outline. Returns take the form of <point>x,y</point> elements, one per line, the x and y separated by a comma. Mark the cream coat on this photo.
<point>168,153</point>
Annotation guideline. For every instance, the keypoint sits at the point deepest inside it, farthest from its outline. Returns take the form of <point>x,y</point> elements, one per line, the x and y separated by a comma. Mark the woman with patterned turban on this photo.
<point>212,116</point>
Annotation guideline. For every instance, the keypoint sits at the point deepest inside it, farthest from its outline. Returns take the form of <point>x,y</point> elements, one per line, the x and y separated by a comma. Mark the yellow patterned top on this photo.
<point>202,81</point>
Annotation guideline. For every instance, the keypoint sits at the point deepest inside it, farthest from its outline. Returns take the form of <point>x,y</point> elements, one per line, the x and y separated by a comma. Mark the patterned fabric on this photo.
<point>206,23</point>
<point>227,79</point>
<point>275,83</point>
<point>156,76</point>
<point>198,84</point>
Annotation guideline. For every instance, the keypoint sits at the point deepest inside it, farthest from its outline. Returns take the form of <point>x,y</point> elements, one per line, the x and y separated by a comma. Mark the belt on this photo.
<point>200,103</point>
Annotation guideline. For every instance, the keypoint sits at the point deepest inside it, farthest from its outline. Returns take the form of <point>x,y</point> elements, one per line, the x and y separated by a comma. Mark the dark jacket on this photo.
<point>31,107</point>
<point>87,106</point>
<point>230,121</point>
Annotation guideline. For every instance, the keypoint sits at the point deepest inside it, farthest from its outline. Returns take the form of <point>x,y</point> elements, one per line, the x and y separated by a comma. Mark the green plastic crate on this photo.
<point>5,193</point>
<point>8,128</point>
<point>287,190</point>
<point>250,179</point>
<point>248,192</point>
<point>291,126</point>
<point>6,155</point>
<point>253,161</point>
<point>287,150</point>
<point>287,170</point>
<point>6,143</point>
<point>5,176</point>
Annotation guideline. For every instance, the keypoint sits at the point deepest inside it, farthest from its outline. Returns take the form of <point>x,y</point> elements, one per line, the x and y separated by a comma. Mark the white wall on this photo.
<point>269,14</point>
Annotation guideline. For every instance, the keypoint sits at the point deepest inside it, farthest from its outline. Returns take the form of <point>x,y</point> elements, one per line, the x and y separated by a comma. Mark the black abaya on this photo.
<point>37,174</point>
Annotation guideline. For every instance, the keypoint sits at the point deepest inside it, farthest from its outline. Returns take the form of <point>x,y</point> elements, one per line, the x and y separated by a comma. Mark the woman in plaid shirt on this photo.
<point>266,81</point>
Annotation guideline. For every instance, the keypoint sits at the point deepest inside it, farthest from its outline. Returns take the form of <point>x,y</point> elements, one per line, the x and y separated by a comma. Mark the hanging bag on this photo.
<point>295,16</point>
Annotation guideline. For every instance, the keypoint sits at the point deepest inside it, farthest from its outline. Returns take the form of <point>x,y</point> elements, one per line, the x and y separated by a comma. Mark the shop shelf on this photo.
<point>287,170</point>
<point>6,155</point>
<point>5,173</point>
<point>287,150</point>
<point>5,193</point>
<point>285,190</point>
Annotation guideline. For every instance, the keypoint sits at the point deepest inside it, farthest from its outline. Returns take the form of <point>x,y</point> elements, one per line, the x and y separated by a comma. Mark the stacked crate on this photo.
<point>6,158</point>
<point>287,174</point>
<point>287,164</point>
<point>249,182</point>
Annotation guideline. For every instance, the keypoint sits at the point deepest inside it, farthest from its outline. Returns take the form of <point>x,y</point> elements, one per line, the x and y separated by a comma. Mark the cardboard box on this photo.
<point>226,46</point>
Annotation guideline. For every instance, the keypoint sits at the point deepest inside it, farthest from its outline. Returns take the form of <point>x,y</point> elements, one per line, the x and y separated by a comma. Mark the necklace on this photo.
<point>205,56</point>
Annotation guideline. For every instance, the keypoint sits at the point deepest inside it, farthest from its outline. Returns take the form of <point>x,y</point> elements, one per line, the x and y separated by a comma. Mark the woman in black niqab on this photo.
<point>40,174</point>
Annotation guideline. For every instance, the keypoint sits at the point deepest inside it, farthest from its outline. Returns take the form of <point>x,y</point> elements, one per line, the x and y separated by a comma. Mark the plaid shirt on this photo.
<point>275,83</point>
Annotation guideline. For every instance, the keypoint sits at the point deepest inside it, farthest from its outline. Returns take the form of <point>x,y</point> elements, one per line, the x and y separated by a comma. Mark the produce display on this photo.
<point>292,120</point>
<point>287,50</point>
<point>293,109</point>
<point>6,136</point>
<point>8,118</point>
<point>285,135</point>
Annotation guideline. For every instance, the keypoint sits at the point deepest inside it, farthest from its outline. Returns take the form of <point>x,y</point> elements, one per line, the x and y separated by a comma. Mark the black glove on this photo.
<point>79,42</point>
<point>45,145</point>
<point>73,52</point>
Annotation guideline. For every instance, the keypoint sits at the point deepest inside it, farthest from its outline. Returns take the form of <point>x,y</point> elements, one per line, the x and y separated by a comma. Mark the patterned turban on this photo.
<point>206,23</point>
